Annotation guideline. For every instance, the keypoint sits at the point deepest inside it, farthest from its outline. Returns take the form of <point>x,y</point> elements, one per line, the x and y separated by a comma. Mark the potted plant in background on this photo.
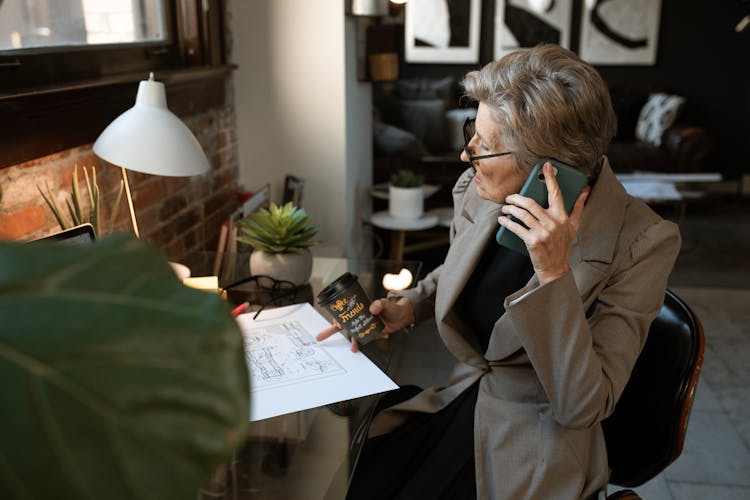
<point>281,238</point>
<point>406,194</point>
<point>76,210</point>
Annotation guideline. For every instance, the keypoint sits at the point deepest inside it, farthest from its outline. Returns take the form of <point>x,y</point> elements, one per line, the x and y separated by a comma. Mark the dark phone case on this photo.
<point>571,182</point>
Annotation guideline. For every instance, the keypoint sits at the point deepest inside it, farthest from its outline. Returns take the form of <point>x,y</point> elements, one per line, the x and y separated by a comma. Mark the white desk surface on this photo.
<point>665,177</point>
<point>654,186</point>
<point>652,190</point>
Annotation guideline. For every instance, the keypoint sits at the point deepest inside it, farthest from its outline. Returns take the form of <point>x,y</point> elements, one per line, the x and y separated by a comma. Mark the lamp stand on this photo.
<point>130,202</point>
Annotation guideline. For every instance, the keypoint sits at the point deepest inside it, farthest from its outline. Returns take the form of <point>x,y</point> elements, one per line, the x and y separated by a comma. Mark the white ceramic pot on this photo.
<point>406,203</point>
<point>294,267</point>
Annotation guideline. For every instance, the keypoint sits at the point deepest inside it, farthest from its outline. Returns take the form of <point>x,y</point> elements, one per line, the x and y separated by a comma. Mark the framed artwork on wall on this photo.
<point>442,31</point>
<point>526,23</point>
<point>620,32</point>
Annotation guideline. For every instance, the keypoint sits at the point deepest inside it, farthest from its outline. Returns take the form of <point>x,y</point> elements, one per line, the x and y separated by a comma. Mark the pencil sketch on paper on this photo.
<point>286,353</point>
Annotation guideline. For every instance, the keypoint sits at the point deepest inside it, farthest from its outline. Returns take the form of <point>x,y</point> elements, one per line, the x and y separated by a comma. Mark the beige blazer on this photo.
<point>560,356</point>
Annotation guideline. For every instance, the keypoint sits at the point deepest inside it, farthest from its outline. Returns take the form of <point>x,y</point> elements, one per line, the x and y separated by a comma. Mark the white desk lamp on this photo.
<point>149,138</point>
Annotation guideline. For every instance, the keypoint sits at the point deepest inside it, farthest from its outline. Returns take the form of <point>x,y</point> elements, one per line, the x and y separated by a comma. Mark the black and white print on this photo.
<point>620,32</point>
<point>526,23</point>
<point>442,31</point>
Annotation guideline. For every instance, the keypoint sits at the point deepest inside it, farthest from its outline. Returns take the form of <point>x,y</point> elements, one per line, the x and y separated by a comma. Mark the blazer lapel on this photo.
<point>591,253</point>
<point>601,227</point>
<point>602,219</point>
<point>463,255</point>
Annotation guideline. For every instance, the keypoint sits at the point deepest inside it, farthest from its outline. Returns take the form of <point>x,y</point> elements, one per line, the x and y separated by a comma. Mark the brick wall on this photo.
<point>177,214</point>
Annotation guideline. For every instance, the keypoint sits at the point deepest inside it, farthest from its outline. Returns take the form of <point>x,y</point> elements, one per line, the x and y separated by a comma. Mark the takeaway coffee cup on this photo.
<point>348,304</point>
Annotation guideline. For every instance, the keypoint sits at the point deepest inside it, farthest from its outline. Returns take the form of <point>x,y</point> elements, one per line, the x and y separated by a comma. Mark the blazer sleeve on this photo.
<point>423,294</point>
<point>584,358</point>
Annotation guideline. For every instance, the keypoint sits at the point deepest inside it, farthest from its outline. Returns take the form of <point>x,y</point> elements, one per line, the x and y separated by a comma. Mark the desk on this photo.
<point>309,454</point>
<point>673,188</point>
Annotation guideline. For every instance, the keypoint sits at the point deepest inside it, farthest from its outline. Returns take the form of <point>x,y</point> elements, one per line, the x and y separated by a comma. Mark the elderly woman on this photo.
<point>544,343</point>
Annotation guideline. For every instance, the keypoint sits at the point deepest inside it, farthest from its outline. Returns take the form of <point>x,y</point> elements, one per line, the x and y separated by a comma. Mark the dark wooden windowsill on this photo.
<point>38,122</point>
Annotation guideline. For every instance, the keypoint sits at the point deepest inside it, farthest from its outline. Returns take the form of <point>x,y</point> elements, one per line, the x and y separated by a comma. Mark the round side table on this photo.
<point>399,226</point>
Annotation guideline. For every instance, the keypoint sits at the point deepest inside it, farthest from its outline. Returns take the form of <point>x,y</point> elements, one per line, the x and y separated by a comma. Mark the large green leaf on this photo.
<point>118,382</point>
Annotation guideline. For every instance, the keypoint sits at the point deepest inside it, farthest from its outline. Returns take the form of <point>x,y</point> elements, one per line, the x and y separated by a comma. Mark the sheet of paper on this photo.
<point>291,371</point>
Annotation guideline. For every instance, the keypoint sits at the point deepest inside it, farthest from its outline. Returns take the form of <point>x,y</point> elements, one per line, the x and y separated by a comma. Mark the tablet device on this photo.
<point>75,235</point>
<point>571,182</point>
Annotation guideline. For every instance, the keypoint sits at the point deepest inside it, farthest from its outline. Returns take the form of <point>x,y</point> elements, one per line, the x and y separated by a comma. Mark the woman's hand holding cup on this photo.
<point>395,314</point>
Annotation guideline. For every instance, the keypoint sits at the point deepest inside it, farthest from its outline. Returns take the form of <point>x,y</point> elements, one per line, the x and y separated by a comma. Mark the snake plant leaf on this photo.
<point>52,204</point>
<point>73,215</point>
<point>93,190</point>
<point>78,218</point>
<point>118,381</point>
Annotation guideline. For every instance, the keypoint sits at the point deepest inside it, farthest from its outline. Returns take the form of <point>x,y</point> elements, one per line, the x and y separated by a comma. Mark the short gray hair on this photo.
<point>548,102</point>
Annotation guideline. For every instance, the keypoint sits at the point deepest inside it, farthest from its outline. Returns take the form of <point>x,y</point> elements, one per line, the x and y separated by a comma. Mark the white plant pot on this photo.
<point>294,267</point>
<point>406,203</point>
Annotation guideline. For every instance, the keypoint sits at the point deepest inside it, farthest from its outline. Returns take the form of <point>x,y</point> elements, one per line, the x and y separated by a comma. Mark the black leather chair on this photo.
<point>646,431</point>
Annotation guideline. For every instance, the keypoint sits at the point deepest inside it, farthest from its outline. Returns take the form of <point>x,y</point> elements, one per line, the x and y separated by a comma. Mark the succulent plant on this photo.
<point>406,179</point>
<point>278,229</point>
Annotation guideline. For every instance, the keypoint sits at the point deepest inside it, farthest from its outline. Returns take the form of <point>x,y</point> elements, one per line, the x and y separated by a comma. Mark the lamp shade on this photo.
<point>149,138</point>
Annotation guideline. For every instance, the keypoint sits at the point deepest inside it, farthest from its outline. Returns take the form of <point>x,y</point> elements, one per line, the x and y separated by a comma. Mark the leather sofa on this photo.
<point>410,132</point>
<point>683,146</point>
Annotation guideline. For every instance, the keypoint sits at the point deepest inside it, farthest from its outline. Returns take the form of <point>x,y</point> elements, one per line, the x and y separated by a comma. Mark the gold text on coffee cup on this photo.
<point>353,312</point>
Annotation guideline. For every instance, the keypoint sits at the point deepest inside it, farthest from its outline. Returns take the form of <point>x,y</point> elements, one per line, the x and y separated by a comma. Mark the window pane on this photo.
<point>26,24</point>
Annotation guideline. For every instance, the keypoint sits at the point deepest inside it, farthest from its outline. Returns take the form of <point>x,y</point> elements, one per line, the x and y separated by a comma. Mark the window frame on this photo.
<point>57,99</point>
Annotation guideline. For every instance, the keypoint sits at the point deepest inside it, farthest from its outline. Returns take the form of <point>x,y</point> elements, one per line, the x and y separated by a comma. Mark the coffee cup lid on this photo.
<point>336,287</point>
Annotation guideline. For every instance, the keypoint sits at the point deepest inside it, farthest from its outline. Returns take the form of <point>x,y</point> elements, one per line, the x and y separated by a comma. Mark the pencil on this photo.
<point>240,309</point>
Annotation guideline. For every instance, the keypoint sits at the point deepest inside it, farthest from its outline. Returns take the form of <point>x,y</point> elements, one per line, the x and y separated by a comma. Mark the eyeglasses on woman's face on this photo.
<point>470,128</point>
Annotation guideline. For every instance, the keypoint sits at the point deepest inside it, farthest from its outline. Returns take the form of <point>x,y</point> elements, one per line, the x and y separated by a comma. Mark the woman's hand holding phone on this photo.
<point>550,232</point>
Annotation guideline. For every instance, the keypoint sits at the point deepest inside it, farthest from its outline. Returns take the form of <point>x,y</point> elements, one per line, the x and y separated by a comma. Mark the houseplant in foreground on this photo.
<point>406,194</point>
<point>118,381</point>
<point>281,238</point>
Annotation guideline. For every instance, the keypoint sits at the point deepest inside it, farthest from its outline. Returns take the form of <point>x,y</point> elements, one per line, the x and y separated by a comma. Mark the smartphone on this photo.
<point>571,182</point>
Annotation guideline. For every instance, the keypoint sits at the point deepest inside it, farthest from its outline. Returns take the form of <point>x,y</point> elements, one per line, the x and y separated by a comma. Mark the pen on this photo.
<point>240,309</point>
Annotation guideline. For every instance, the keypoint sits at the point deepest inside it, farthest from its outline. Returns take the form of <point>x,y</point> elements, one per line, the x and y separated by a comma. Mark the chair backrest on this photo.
<point>646,431</point>
<point>293,190</point>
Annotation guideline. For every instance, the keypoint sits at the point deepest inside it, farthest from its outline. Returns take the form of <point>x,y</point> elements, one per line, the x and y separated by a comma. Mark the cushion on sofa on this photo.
<point>626,156</point>
<point>387,106</point>
<point>425,88</point>
<point>425,118</point>
<point>657,115</point>
<point>393,141</point>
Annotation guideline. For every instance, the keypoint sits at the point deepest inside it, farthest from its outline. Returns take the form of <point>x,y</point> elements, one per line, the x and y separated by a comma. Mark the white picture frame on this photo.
<point>620,32</point>
<point>427,32</point>
<point>526,23</point>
